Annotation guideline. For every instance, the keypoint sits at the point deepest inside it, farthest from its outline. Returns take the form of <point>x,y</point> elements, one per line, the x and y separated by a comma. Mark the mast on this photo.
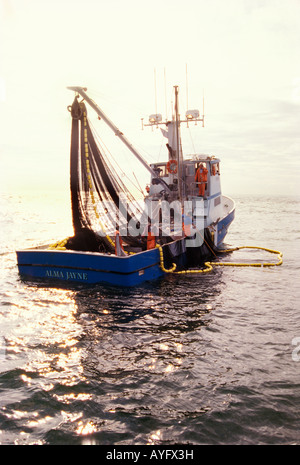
<point>178,158</point>
<point>82,91</point>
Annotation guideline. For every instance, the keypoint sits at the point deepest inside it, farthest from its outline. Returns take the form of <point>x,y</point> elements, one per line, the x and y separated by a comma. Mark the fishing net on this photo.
<point>101,202</point>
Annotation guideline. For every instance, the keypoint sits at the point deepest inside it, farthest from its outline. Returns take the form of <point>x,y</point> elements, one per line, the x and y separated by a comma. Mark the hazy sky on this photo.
<point>243,53</point>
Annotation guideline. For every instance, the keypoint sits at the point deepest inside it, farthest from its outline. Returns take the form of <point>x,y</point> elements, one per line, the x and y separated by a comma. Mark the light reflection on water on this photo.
<point>173,361</point>
<point>64,340</point>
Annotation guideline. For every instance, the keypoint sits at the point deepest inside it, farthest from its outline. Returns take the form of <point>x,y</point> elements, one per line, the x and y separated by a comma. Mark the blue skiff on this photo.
<point>92,267</point>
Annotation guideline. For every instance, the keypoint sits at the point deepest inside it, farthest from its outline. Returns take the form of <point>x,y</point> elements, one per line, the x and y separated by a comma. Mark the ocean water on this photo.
<point>195,359</point>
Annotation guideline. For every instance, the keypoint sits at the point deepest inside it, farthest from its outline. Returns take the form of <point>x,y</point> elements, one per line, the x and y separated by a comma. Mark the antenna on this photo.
<point>186,83</point>
<point>165,94</point>
<point>190,115</point>
<point>203,111</point>
<point>155,91</point>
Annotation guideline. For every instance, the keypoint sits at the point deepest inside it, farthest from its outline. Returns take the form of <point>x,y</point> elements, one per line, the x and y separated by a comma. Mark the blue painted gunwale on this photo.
<point>89,267</point>
<point>94,267</point>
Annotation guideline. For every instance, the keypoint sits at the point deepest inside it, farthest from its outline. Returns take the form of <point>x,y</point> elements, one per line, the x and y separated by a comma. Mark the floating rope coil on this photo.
<point>210,265</point>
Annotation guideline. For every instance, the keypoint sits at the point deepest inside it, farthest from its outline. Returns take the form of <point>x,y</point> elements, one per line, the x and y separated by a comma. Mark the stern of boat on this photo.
<point>220,228</point>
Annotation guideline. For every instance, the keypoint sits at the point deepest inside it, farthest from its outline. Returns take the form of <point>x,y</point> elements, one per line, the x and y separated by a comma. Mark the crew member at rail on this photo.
<point>151,232</point>
<point>119,251</point>
<point>187,224</point>
<point>201,178</point>
<point>151,239</point>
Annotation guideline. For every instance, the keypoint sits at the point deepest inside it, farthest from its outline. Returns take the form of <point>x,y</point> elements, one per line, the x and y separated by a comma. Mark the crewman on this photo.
<point>151,242</point>
<point>119,251</point>
<point>187,224</point>
<point>201,178</point>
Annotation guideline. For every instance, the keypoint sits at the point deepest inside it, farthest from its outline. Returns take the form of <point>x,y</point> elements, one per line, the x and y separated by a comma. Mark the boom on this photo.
<point>82,91</point>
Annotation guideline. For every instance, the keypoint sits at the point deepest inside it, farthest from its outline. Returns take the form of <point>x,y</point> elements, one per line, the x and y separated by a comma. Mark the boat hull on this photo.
<point>223,226</point>
<point>91,267</point>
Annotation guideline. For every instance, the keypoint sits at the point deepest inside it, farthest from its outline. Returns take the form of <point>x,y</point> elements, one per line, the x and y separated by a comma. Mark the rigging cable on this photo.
<point>105,148</point>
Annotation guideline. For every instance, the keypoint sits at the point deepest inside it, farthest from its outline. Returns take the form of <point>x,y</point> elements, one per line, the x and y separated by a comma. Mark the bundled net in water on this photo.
<point>101,202</point>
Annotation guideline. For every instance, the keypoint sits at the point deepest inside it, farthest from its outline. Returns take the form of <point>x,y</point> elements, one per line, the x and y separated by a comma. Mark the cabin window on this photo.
<point>214,169</point>
<point>190,170</point>
<point>160,170</point>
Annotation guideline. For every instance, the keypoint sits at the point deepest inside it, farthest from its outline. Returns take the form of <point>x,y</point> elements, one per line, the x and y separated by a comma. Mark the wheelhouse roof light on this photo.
<point>154,119</point>
<point>192,114</point>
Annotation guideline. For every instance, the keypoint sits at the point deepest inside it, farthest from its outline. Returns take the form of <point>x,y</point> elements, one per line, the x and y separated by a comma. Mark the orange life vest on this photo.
<point>150,241</point>
<point>201,176</point>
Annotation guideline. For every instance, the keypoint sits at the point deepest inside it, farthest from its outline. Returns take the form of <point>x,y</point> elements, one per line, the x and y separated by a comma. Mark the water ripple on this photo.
<point>201,359</point>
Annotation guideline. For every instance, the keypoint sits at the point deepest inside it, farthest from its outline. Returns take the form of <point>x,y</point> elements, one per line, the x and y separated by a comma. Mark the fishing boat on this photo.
<point>180,222</point>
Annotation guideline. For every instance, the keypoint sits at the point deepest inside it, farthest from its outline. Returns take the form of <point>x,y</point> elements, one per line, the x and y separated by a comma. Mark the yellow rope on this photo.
<point>59,245</point>
<point>210,265</point>
<point>265,264</point>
